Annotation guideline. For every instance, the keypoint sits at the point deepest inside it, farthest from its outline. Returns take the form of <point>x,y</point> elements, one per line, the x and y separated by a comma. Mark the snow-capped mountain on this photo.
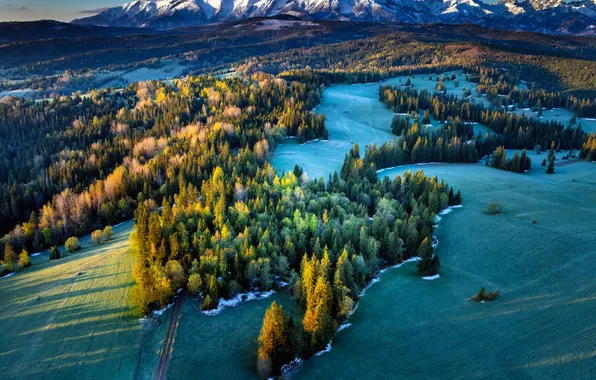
<point>545,16</point>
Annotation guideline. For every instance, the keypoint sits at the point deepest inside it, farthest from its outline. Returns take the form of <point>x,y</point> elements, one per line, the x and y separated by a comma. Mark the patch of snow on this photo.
<point>326,349</point>
<point>159,313</point>
<point>292,367</point>
<point>35,254</point>
<point>343,326</point>
<point>237,300</point>
<point>8,275</point>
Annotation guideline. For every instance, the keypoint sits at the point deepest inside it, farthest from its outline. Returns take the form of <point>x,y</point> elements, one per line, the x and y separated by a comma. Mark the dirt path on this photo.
<point>166,351</point>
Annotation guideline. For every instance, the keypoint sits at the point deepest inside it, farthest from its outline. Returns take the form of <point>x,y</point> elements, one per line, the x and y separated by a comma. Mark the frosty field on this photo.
<point>354,115</point>
<point>542,326</point>
<point>71,318</point>
<point>561,115</point>
<point>221,346</point>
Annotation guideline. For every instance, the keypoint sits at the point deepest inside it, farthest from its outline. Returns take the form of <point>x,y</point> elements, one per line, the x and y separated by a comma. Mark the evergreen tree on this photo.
<point>274,342</point>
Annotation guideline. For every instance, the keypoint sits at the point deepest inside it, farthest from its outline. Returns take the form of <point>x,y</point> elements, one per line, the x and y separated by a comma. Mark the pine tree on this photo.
<point>551,165</point>
<point>274,342</point>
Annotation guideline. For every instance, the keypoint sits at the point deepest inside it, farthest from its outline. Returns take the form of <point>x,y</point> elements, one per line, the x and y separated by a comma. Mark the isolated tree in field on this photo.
<point>72,244</point>
<point>24,259</point>
<point>10,257</point>
<point>551,153</point>
<point>108,233</point>
<point>526,162</point>
<point>274,342</point>
<point>54,253</point>
<point>551,165</point>
<point>97,236</point>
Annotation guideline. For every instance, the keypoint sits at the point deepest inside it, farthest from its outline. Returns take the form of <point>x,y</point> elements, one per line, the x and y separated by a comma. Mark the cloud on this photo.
<point>12,7</point>
<point>93,11</point>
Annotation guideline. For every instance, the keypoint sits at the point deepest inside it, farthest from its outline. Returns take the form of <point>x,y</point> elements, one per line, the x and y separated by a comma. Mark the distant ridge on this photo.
<point>543,16</point>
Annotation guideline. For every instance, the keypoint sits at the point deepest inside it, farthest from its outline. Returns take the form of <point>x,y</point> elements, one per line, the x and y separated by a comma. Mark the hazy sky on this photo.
<point>63,10</point>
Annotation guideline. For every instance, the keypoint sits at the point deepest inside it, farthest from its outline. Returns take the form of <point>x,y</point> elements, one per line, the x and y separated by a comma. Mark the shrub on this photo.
<point>478,297</point>
<point>494,208</point>
<point>97,236</point>
<point>54,253</point>
<point>72,244</point>
<point>24,259</point>
<point>108,233</point>
<point>491,296</point>
<point>483,296</point>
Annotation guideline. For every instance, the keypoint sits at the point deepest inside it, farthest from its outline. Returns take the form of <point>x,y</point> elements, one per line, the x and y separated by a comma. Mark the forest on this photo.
<point>189,160</point>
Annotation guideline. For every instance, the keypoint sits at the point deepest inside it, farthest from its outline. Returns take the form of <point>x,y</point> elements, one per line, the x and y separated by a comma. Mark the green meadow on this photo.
<point>70,318</point>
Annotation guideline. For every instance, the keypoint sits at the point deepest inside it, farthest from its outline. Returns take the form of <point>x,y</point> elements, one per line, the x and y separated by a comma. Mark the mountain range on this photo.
<point>543,16</point>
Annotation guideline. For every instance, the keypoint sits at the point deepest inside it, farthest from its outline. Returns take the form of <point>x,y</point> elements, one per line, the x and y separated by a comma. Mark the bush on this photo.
<point>494,208</point>
<point>24,259</point>
<point>483,296</point>
<point>54,253</point>
<point>108,233</point>
<point>72,244</point>
<point>97,236</point>
<point>491,296</point>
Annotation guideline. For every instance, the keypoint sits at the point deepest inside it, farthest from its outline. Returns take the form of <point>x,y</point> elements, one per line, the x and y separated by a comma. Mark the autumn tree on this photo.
<point>274,342</point>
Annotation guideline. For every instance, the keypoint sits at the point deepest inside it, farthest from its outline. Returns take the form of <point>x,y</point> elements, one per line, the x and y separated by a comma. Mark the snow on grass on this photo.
<point>430,278</point>
<point>326,349</point>
<point>418,164</point>
<point>159,313</point>
<point>287,370</point>
<point>8,275</point>
<point>438,220</point>
<point>239,298</point>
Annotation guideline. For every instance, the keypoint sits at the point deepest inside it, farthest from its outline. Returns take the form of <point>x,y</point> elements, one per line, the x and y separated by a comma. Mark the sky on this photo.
<point>61,10</point>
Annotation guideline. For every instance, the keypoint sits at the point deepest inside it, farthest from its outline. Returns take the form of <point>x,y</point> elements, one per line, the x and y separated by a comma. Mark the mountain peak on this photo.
<point>546,16</point>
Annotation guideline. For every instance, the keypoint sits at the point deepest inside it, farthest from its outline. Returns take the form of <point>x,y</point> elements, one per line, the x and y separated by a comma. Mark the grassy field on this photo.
<point>71,318</point>
<point>544,324</point>
<point>354,115</point>
<point>561,115</point>
<point>221,346</point>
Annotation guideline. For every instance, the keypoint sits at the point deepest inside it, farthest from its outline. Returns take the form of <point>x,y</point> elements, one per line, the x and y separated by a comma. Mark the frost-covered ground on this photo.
<point>71,318</point>
<point>354,115</point>
<point>543,324</point>
<point>18,93</point>
<point>222,346</point>
<point>168,70</point>
<point>561,115</point>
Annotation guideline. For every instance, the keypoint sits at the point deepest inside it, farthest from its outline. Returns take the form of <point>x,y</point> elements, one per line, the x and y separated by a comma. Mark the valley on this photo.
<point>290,197</point>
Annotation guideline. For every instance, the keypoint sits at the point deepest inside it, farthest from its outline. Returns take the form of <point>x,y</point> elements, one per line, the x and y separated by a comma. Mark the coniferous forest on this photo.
<point>190,162</point>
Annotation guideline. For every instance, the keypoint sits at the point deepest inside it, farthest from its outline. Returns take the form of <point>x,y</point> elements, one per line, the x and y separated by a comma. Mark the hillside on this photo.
<point>71,318</point>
